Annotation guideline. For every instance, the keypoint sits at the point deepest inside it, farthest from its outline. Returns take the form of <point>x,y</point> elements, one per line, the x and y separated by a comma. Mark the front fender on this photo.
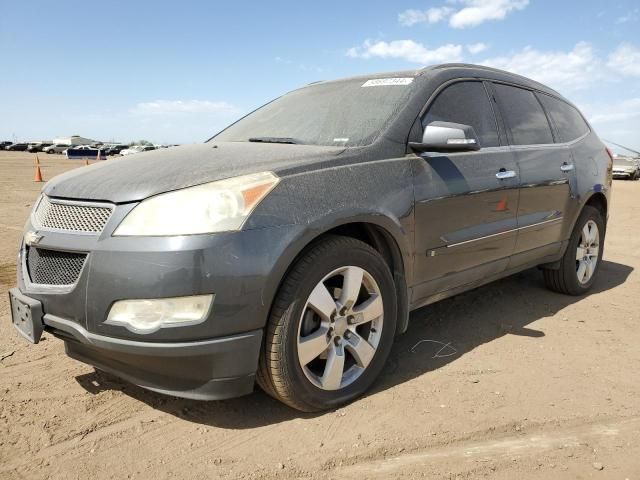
<point>376,194</point>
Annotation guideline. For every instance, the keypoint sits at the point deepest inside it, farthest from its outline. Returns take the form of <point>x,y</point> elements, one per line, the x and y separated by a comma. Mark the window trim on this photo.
<point>508,128</point>
<point>502,127</point>
<point>558,140</point>
<point>433,97</point>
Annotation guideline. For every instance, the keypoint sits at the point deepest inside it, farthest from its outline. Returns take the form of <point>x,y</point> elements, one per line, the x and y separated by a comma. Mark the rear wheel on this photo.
<point>581,261</point>
<point>331,327</point>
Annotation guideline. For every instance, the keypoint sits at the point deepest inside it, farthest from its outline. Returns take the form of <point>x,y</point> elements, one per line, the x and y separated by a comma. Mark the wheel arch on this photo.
<point>599,201</point>
<point>376,233</point>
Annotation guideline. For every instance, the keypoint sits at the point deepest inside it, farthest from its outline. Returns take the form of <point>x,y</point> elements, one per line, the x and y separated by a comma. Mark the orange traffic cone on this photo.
<point>38,177</point>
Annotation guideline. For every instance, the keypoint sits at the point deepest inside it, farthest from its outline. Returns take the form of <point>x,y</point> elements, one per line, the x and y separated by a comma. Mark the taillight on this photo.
<point>610,165</point>
<point>610,153</point>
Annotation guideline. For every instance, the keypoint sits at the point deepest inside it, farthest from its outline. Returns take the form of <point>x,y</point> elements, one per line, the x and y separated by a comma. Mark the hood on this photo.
<point>142,175</point>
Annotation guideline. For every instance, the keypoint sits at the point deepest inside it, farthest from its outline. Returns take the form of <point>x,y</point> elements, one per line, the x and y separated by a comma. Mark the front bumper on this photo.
<point>214,359</point>
<point>202,370</point>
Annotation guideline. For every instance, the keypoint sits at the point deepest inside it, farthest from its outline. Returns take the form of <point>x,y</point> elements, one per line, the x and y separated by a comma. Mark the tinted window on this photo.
<point>467,103</point>
<point>568,121</point>
<point>523,115</point>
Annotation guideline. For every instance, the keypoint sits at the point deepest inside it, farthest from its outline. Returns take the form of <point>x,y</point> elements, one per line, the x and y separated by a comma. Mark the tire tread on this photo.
<point>271,374</point>
<point>561,280</point>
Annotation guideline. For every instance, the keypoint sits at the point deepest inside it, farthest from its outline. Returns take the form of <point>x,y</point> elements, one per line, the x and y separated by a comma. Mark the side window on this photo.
<point>523,115</point>
<point>467,103</point>
<point>568,121</point>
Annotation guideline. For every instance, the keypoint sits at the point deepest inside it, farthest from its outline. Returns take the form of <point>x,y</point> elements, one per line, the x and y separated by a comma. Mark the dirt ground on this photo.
<point>510,380</point>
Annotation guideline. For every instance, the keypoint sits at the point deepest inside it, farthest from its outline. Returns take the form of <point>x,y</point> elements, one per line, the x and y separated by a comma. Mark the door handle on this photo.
<point>566,167</point>
<point>504,174</point>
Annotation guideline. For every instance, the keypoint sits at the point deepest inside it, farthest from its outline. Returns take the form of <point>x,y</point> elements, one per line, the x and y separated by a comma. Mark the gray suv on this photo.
<point>289,249</point>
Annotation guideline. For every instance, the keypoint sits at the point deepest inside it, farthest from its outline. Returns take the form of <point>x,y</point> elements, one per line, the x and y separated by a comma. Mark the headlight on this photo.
<point>148,316</point>
<point>213,207</point>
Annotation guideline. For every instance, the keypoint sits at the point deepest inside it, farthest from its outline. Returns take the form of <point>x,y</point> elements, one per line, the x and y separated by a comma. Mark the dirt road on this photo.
<point>508,380</point>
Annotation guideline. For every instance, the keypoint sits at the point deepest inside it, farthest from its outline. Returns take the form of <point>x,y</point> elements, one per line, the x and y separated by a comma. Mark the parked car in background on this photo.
<point>137,149</point>
<point>37,147</point>
<point>626,167</point>
<point>5,144</point>
<point>17,147</point>
<point>56,148</point>
<point>291,252</point>
<point>116,149</point>
<point>84,152</point>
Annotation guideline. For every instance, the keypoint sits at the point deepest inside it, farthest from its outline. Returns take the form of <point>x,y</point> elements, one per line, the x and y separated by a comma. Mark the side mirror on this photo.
<point>447,137</point>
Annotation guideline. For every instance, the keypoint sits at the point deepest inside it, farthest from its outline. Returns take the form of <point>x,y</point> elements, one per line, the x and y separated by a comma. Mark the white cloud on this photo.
<point>564,70</point>
<point>476,48</point>
<point>408,50</point>
<point>170,107</point>
<point>618,112</point>
<point>468,13</point>
<point>625,60</point>
<point>479,11</point>
<point>616,121</point>
<point>431,15</point>
<point>572,70</point>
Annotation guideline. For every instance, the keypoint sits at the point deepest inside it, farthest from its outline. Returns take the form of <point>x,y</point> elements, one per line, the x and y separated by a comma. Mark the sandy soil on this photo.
<point>531,384</point>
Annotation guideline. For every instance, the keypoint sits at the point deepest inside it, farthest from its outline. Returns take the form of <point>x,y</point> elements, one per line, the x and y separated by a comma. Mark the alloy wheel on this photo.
<point>588,251</point>
<point>340,328</point>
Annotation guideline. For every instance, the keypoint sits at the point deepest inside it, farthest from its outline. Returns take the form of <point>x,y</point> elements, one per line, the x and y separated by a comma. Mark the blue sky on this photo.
<point>179,71</point>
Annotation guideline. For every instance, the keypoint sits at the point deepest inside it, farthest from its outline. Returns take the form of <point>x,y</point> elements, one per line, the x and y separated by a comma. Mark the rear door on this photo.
<point>546,169</point>
<point>571,130</point>
<point>465,214</point>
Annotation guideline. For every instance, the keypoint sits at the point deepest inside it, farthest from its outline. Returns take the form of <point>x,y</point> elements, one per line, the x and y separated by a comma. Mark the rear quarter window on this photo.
<point>523,115</point>
<point>567,120</point>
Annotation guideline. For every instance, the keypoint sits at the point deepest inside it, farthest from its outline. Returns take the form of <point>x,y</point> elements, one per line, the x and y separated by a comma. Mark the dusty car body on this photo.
<point>419,207</point>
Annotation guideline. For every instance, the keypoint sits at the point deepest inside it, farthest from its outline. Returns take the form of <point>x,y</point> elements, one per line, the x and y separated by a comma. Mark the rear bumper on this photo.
<point>201,370</point>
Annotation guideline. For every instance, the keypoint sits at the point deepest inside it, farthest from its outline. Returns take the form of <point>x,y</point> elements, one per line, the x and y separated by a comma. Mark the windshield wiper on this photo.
<point>273,140</point>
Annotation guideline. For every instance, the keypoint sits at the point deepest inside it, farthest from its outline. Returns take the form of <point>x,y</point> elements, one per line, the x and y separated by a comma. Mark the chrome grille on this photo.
<point>70,216</point>
<point>50,267</point>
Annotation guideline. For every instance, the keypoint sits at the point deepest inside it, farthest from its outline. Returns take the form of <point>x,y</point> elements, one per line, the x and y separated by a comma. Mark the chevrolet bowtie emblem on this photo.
<point>32,238</point>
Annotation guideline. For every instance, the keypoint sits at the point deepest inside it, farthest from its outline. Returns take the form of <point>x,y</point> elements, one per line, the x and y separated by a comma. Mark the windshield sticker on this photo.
<point>340,139</point>
<point>383,82</point>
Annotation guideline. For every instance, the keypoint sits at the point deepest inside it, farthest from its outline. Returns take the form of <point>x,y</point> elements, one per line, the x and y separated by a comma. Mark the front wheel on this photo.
<point>331,327</point>
<point>581,261</point>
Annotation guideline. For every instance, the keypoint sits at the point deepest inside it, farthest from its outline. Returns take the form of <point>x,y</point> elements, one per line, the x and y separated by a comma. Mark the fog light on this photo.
<point>150,315</point>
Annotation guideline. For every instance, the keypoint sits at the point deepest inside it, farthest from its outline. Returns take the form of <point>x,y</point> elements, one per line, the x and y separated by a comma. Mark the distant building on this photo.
<point>74,140</point>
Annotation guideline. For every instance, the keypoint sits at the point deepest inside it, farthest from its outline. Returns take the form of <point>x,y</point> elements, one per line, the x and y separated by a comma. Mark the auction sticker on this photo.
<point>383,82</point>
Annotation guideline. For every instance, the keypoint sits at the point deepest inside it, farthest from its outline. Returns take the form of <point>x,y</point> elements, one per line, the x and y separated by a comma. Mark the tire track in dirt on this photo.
<point>495,448</point>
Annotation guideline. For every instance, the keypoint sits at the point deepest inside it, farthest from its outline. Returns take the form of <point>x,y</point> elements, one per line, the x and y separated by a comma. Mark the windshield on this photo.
<point>347,113</point>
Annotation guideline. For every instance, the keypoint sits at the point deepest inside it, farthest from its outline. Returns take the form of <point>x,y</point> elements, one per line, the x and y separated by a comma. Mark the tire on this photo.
<point>577,273</point>
<point>291,372</point>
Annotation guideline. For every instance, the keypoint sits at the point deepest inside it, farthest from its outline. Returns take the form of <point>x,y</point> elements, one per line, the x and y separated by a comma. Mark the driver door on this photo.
<point>466,202</point>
